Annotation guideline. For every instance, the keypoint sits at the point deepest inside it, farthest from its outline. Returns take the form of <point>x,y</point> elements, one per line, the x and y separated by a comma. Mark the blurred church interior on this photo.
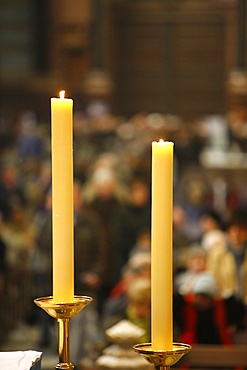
<point>177,67</point>
<point>183,57</point>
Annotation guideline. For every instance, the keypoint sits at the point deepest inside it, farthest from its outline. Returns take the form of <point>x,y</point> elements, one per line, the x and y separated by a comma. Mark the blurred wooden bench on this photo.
<point>215,357</point>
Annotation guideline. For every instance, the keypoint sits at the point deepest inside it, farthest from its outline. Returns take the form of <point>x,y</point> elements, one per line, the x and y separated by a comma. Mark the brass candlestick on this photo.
<point>162,359</point>
<point>63,312</point>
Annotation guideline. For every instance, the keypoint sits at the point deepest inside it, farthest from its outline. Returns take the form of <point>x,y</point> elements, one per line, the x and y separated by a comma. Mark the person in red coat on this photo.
<point>202,317</point>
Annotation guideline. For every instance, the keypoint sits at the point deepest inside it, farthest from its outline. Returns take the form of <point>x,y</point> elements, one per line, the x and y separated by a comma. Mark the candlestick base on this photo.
<point>63,312</point>
<point>162,359</point>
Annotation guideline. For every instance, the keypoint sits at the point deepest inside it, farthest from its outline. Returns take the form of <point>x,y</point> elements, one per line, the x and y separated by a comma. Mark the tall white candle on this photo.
<point>62,199</point>
<point>161,245</point>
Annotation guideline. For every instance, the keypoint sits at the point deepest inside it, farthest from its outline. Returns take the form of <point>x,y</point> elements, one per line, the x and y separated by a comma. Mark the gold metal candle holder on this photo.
<point>63,312</point>
<point>162,359</point>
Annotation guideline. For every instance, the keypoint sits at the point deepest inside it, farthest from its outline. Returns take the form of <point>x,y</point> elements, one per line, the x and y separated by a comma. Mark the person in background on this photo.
<point>134,306</point>
<point>90,267</point>
<point>103,194</point>
<point>181,241</point>
<point>131,218</point>
<point>19,235</point>
<point>41,266</point>
<point>195,204</point>
<point>228,261</point>
<point>138,265</point>
<point>11,188</point>
<point>203,317</point>
<point>143,243</point>
<point>196,264</point>
<point>212,230</point>
<point>90,257</point>
<point>29,142</point>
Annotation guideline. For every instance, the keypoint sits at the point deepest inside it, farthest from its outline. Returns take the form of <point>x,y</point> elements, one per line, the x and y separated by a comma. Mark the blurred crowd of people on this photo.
<point>112,169</point>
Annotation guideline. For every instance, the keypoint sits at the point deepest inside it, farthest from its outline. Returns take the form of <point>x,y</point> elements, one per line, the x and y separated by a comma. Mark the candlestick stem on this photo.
<point>63,340</point>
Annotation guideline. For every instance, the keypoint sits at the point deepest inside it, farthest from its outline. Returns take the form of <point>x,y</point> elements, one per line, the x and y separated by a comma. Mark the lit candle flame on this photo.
<point>61,94</point>
<point>161,141</point>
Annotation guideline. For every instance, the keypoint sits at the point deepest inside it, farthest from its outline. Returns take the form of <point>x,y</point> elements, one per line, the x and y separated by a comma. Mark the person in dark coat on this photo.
<point>129,221</point>
<point>103,195</point>
<point>90,266</point>
<point>90,257</point>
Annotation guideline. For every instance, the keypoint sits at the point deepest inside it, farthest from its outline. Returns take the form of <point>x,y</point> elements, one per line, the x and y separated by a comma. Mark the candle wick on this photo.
<point>62,94</point>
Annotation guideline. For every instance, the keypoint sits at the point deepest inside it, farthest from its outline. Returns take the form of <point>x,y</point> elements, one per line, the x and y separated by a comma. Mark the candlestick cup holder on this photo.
<point>63,312</point>
<point>162,359</point>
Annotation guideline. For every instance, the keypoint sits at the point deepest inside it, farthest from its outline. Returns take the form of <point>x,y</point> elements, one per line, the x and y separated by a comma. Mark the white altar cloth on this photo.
<point>20,360</point>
